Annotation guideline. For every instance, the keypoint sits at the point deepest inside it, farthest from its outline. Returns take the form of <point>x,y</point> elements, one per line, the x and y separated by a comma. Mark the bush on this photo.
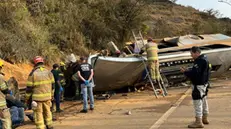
<point>51,27</point>
<point>21,38</point>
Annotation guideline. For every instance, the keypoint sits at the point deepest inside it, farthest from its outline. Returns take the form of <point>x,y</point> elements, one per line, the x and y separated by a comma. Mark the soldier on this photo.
<point>39,88</point>
<point>5,116</point>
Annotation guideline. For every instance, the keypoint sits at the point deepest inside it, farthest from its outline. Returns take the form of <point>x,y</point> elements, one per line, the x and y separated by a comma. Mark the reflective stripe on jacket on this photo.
<point>3,86</point>
<point>62,78</point>
<point>39,84</point>
<point>152,51</point>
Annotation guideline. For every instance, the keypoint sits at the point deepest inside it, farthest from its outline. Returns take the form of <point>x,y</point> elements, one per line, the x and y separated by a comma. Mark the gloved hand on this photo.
<point>61,89</point>
<point>86,82</point>
<point>11,92</point>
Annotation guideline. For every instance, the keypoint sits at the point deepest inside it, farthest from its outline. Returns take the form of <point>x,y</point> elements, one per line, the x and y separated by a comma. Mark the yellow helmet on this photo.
<point>1,64</point>
<point>62,63</point>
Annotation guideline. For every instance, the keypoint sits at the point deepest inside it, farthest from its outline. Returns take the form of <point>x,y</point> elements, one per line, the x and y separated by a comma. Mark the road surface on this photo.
<point>147,111</point>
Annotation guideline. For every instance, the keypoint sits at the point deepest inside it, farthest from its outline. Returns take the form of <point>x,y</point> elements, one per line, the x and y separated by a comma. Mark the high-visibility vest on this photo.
<point>62,78</point>
<point>3,86</point>
<point>152,51</point>
<point>40,82</point>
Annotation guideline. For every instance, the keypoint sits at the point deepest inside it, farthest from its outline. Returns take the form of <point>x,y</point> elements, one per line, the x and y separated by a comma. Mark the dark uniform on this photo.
<point>57,93</point>
<point>70,89</point>
<point>199,76</point>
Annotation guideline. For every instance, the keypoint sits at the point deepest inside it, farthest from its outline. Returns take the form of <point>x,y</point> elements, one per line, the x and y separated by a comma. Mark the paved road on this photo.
<point>220,110</point>
<point>146,110</point>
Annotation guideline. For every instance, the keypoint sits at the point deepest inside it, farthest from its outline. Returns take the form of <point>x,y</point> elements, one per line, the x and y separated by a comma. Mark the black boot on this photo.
<point>47,127</point>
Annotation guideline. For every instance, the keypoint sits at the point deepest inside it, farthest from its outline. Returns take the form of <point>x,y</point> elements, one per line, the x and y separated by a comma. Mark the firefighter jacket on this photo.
<point>62,78</point>
<point>3,87</point>
<point>152,51</point>
<point>39,84</point>
<point>199,76</point>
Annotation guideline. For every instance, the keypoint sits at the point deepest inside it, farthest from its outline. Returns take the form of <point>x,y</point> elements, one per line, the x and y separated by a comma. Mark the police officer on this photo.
<point>199,76</point>
<point>39,88</point>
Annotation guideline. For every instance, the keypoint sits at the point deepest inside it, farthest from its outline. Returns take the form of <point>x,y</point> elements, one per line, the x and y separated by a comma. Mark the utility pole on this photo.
<point>225,1</point>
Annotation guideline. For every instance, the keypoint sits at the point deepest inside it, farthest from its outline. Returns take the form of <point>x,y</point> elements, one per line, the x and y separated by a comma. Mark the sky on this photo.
<point>223,8</point>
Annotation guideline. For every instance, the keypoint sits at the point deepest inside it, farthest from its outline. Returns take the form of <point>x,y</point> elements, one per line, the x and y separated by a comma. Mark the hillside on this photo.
<point>53,28</point>
<point>172,20</point>
<point>20,72</point>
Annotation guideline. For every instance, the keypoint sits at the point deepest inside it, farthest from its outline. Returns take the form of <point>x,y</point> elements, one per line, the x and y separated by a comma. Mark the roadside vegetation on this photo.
<point>53,28</point>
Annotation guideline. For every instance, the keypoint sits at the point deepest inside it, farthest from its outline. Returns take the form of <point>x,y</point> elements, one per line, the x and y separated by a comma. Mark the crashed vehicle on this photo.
<point>113,73</point>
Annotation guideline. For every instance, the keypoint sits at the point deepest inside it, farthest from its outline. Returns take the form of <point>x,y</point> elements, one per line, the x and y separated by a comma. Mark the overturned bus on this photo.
<point>113,73</point>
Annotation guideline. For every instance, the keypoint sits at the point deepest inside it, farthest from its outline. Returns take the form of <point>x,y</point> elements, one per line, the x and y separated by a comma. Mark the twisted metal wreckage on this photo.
<point>113,73</point>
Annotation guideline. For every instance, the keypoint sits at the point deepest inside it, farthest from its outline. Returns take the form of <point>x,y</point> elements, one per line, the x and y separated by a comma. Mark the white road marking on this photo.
<point>165,116</point>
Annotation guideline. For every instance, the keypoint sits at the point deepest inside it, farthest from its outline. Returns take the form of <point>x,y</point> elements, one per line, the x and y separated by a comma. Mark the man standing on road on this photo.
<point>199,76</point>
<point>85,73</point>
<point>39,87</point>
<point>55,71</point>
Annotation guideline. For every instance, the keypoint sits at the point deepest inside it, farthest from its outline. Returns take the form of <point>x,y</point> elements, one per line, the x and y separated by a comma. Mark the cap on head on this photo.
<point>38,59</point>
<point>1,64</point>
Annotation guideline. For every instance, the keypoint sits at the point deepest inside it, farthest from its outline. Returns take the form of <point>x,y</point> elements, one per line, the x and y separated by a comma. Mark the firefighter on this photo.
<point>199,76</point>
<point>5,116</point>
<point>39,88</point>
<point>62,70</point>
<point>153,63</point>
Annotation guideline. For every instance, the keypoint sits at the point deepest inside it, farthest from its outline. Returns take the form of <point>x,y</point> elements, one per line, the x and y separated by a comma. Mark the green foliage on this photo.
<point>51,27</point>
<point>20,37</point>
<point>94,23</point>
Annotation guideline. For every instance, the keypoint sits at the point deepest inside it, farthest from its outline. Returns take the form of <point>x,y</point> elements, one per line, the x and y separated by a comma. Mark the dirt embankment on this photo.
<point>19,71</point>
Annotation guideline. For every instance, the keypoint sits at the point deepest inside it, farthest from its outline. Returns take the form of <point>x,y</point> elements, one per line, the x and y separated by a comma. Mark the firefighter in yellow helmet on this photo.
<point>39,88</point>
<point>61,74</point>
<point>4,111</point>
<point>62,70</point>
